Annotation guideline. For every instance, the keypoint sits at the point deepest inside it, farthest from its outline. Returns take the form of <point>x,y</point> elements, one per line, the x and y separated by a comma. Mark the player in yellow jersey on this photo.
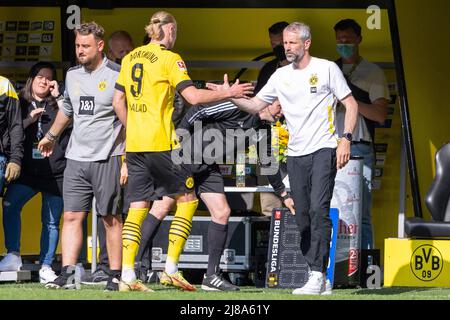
<point>143,101</point>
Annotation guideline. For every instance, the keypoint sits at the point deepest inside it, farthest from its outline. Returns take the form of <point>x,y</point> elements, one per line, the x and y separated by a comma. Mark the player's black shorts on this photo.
<point>208,178</point>
<point>152,175</point>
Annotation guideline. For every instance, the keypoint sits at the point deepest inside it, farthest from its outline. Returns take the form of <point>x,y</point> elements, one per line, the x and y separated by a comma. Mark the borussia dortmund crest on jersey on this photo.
<point>102,85</point>
<point>313,80</point>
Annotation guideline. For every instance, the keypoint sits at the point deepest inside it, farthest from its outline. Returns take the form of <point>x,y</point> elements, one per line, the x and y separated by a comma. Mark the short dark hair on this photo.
<point>88,28</point>
<point>348,24</point>
<point>278,27</point>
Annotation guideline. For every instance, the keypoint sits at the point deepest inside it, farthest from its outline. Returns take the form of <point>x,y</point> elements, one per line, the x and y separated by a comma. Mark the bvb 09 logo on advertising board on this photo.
<point>426,263</point>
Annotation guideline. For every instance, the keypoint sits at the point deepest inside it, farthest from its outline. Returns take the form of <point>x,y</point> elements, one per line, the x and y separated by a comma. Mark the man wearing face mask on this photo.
<point>369,87</point>
<point>120,44</point>
<point>276,42</point>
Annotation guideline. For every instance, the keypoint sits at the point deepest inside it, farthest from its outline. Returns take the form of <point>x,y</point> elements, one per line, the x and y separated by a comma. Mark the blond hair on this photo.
<point>154,28</point>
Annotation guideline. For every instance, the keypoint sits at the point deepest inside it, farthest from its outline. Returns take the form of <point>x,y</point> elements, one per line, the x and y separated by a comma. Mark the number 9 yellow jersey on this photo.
<point>148,76</point>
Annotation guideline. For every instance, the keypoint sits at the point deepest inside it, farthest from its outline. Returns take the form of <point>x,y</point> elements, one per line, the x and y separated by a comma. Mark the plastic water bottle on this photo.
<point>240,170</point>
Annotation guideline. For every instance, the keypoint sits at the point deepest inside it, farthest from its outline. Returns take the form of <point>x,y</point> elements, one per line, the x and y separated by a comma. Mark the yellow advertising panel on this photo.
<point>241,34</point>
<point>417,263</point>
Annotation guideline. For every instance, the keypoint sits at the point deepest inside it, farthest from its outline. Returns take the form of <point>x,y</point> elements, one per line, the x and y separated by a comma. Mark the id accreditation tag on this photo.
<point>36,154</point>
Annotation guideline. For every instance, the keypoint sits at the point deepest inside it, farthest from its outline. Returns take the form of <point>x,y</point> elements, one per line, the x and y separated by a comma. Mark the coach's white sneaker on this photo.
<point>315,284</point>
<point>11,262</point>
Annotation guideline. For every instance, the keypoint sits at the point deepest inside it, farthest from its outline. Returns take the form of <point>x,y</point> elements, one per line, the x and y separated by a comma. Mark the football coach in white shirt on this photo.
<point>309,89</point>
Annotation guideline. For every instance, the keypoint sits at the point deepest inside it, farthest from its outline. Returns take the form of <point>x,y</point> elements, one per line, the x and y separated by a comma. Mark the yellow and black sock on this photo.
<point>180,229</point>
<point>131,236</point>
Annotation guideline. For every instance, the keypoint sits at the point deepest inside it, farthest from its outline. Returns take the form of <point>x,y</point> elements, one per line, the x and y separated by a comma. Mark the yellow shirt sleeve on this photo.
<point>6,88</point>
<point>177,72</point>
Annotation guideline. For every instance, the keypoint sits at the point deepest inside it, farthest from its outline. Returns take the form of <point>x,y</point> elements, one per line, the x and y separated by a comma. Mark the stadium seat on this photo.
<point>437,202</point>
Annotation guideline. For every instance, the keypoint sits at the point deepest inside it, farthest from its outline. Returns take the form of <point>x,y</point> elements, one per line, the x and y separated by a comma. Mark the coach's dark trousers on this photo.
<point>311,179</point>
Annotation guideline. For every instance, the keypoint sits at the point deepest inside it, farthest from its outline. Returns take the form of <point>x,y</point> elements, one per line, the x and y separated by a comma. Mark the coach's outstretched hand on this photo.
<point>238,90</point>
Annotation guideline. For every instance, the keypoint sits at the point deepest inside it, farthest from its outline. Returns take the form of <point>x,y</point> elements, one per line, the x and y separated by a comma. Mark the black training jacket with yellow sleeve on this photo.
<point>11,128</point>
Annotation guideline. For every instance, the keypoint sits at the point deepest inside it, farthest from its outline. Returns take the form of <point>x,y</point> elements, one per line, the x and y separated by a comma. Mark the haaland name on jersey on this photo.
<point>138,107</point>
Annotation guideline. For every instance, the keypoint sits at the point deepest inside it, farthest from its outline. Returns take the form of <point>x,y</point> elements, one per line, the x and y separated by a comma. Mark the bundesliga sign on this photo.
<point>287,267</point>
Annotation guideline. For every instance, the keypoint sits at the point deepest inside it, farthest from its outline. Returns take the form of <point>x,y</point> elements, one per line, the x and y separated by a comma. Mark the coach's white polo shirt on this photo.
<point>308,98</point>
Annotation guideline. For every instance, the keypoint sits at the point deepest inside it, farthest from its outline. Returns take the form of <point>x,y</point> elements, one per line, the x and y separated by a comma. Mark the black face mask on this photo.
<point>279,52</point>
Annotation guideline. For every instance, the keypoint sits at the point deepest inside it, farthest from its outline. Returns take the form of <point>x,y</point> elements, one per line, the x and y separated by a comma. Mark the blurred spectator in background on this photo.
<point>39,101</point>
<point>120,44</point>
<point>272,200</point>
<point>276,42</point>
<point>369,87</point>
